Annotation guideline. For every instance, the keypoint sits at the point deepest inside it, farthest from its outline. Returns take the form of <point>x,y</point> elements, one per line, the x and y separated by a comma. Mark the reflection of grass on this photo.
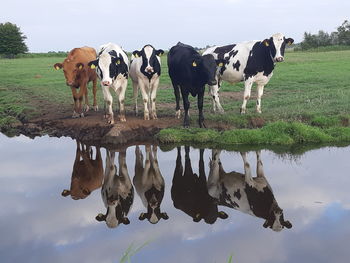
<point>230,259</point>
<point>131,251</point>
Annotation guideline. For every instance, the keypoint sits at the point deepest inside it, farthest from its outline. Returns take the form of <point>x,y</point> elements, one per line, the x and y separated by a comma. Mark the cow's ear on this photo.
<point>137,53</point>
<point>220,62</point>
<point>65,193</point>
<point>287,224</point>
<point>58,66</point>
<point>164,216</point>
<point>289,41</point>
<point>100,217</point>
<point>142,216</point>
<point>266,42</point>
<point>197,218</point>
<point>125,221</point>
<point>159,52</point>
<point>266,224</point>
<point>79,66</point>
<point>93,64</point>
<point>222,215</point>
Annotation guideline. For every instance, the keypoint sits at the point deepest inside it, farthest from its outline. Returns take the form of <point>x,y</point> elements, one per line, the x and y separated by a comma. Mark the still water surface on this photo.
<point>206,204</point>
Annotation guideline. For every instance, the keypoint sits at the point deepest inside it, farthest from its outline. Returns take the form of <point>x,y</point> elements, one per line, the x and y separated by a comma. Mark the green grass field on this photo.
<point>309,87</point>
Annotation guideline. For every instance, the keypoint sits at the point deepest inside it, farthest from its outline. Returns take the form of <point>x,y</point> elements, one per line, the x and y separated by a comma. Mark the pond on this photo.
<point>179,205</point>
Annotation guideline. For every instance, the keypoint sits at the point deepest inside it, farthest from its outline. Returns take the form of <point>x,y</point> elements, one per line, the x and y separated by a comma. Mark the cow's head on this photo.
<point>153,215</point>
<point>72,71</point>
<point>150,60</point>
<point>114,216</point>
<point>276,221</point>
<point>108,65</point>
<point>206,66</point>
<point>77,191</point>
<point>276,46</point>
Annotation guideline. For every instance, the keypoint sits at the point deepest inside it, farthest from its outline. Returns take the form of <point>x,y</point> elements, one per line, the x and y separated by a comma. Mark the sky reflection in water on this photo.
<point>38,224</point>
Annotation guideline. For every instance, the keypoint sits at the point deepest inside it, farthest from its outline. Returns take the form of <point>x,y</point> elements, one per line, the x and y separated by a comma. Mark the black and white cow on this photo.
<point>145,72</point>
<point>112,67</point>
<point>190,72</point>
<point>149,184</point>
<point>117,191</point>
<point>250,62</point>
<point>244,193</point>
<point>189,191</point>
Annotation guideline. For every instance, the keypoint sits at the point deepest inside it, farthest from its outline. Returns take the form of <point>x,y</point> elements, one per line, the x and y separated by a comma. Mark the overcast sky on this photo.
<point>64,24</point>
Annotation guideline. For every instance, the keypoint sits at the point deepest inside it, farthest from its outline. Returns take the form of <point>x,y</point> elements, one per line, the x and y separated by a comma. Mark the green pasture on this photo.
<point>309,87</point>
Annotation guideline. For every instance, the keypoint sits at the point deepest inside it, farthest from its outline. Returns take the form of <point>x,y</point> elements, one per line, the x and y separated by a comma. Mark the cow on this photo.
<point>149,184</point>
<point>189,72</point>
<point>250,62</point>
<point>87,172</point>
<point>189,191</point>
<point>78,75</point>
<point>112,67</point>
<point>145,72</point>
<point>244,193</point>
<point>117,191</point>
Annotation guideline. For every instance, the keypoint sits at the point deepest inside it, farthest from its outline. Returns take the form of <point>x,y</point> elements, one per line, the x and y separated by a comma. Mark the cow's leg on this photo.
<point>108,101</point>
<point>121,100</point>
<point>86,95</point>
<point>186,103</point>
<point>247,171</point>
<point>135,93</point>
<point>177,99</point>
<point>146,171</point>
<point>94,91</point>
<point>214,92</point>
<point>80,107</point>
<point>247,90</point>
<point>153,98</point>
<point>259,167</point>
<point>260,89</point>
<point>200,109</point>
<point>144,91</point>
<point>214,174</point>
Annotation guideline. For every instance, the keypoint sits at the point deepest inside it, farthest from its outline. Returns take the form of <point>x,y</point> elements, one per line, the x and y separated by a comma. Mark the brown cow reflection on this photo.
<point>117,191</point>
<point>189,191</point>
<point>87,172</point>
<point>244,193</point>
<point>149,184</point>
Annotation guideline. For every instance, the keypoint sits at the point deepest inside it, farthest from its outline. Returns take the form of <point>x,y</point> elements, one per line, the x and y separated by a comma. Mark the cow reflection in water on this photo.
<point>117,191</point>
<point>149,184</point>
<point>87,172</point>
<point>189,191</point>
<point>244,193</point>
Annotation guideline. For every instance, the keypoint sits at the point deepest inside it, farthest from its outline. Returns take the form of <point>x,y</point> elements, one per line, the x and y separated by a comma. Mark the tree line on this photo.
<point>341,37</point>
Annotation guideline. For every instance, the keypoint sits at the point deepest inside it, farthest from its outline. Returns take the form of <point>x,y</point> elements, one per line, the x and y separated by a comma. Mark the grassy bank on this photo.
<point>310,88</point>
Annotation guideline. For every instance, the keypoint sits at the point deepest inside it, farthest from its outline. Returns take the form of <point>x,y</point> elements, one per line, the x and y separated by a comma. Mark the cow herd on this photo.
<point>249,62</point>
<point>198,196</point>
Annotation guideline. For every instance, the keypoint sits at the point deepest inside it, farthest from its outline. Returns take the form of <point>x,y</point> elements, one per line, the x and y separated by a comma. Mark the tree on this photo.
<point>344,33</point>
<point>11,40</point>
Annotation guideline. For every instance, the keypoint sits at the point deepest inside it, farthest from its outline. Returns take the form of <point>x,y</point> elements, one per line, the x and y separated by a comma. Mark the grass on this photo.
<point>309,88</point>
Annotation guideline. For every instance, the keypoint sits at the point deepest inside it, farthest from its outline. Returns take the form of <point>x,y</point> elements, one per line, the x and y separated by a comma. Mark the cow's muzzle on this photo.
<point>106,83</point>
<point>212,82</point>
<point>279,59</point>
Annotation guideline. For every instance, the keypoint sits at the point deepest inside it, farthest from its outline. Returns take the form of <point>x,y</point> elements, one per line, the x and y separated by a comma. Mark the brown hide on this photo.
<point>87,174</point>
<point>78,74</point>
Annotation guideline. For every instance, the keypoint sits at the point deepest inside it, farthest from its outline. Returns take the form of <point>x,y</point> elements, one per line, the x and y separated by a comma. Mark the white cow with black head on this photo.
<point>117,191</point>
<point>149,184</point>
<point>112,67</point>
<point>250,62</point>
<point>145,70</point>
<point>244,193</point>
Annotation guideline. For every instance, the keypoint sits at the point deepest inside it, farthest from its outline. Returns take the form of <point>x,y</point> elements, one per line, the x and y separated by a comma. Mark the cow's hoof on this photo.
<point>242,111</point>
<point>86,108</point>
<point>202,125</point>
<point>146,117</point>
<point>81,115</point>
<point>75,115</point>
<point>154,116</point>
<point>178,114</point>
<point>122,118</point>
<point>95,108</point>
<point>110,121</point>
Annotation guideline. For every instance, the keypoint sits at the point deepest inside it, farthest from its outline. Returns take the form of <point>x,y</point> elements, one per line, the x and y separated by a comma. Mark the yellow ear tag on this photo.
<point>136,56</point>
<point>221,64</point>
<point>289,43</point>
<point>57,67</point>
<point>118,61</point>
<point>194,64</point>
<point>266,43</point>
<point>92,66</point>
<point>80,67</point>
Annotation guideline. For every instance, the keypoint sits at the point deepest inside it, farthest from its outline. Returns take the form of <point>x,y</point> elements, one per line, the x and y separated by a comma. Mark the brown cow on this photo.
<point>78,75</point>
<point>87,173</point>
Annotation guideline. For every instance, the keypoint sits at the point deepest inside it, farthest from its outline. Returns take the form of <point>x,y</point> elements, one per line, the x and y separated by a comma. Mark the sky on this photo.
<point>61,25</point>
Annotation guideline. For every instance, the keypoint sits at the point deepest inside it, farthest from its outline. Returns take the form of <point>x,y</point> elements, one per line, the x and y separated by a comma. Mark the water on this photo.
<point>38,224</point>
